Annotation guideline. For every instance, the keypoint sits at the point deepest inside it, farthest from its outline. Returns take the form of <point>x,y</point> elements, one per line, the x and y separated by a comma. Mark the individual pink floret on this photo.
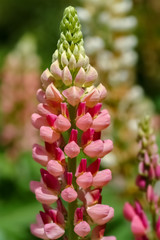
<point>137,226</point>
<point>72,149</point>
<point>102,121</point>
<point>82,228</point>
<point>73,95</point>
<point>100,213</point>
<point>128,211</point>
<point>69,194</point>
<point>40,154</point>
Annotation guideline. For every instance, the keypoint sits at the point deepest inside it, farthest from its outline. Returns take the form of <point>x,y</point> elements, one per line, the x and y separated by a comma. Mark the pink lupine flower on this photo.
<point>69,100</point>
<point>100,213</point>
<point>81,228</point>
<point>69,194</point>
<point>72,149</point>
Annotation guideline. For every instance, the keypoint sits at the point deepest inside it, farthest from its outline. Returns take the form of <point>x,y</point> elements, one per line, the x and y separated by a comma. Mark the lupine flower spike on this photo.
<point>70,121</point>
<point>148,175</point>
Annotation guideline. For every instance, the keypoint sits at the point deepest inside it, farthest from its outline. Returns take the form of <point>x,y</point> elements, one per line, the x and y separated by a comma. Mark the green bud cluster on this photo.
<point>70,47</point>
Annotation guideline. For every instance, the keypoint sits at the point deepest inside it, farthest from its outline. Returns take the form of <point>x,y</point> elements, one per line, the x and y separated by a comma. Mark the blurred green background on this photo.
<point>40,19</point>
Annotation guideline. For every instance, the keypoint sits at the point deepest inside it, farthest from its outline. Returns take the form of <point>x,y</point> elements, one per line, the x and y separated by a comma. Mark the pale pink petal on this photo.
<point>62,124</point>
<point>53,231</point>
<point>49,135</point>
<point>69,194</point>
<point>38,231</point>
<point>34,185</point>
<point>53,94</point>
<point>66,76</point>
<point>91,76</point>
<point>94,149</point>
<point>41,96</point>
<point>102,178</point>
<point>72,149</point>
<point>100,213</point>
<point>46,78</point>
<point>80,77</point>
<point>107,148</point>
<point>82,229</point>
<point>40,154</point>
<point>38,120</point>
<point>102,91</point>
<point>84,180</point>
<point>102,121</point>
<point>92,98</point>
<point>45,109</point>
<point>45,196</point>
<point>128,211</point>
<point>55,70</point>
<point>84,122</point>
<point>73,95</point>
<point>55,168</point>
<point>108,238</point>
<point>137,226</point>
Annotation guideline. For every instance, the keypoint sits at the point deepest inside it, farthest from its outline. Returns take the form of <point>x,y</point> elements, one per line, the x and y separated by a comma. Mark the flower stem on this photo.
<point>72,168</point>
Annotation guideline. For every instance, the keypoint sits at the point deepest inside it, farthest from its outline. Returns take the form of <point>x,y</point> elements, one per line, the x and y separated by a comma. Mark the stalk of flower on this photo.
<point>70,121</point>
<point>148,175</point>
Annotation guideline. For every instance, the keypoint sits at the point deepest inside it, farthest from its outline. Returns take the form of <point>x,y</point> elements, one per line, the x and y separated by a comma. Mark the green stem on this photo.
<point>72,168</point>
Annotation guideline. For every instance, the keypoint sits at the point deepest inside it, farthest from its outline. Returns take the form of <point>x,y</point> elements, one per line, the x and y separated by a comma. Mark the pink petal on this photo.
<point>38,120</point>
<point>55,168</point>
<point>91,76</point>
<point>46,78</point>
<point>38,231</point>
<point>102,92</point>
<point>82,229</point>
<point>34,185</point>
<point>84,122</point>
<point>62,124</point>
<point>49,135</point>
<point>100,213</point>
<point>94,149</point>
<point>53,231</point>
<point>40,154</point>
<point>137,227</point>
<point>66,76</point>
<point>128,211</point>
<point>84,180</point>
<point>56,71</point>
<point>69,194</point>
<point>73,95</point>
<point>45,109</point>
<point>45,196</point>
<point>72,149</point>
<point>80,77</point>
<point>102,178</point>
<point>107,147</point>
<point>53,94</point>
<point>92,98</point>
<point>108,238</point>
<point>41,96</point>
<point>102,121</point>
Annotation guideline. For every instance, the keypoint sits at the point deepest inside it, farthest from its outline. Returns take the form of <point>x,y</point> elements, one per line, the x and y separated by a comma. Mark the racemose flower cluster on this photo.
<point>70,120</point>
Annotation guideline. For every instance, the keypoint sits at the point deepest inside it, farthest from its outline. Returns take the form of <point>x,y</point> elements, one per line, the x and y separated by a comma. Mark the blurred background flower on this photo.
<point>122,39</point>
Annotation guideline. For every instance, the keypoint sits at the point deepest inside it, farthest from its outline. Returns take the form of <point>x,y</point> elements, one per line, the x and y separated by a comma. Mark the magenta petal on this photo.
<point>49,135</point>
<point>55,168</point>
<point>102,178</point>
<point>69,194</point>
<point>53,231</point>
<point>45,196</point>
<point>94,148</point>
<point>84,180</point>
<point>82,229</point>
<point>72,149</point>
